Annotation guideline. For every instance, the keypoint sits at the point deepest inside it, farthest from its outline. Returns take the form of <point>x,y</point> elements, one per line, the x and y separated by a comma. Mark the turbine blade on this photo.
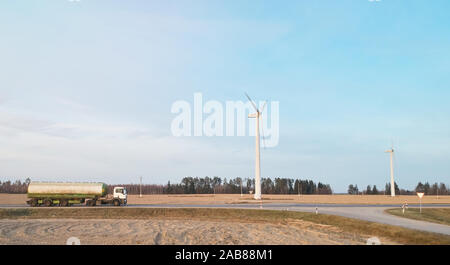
<point>262,109</point>
<point>253,103</point>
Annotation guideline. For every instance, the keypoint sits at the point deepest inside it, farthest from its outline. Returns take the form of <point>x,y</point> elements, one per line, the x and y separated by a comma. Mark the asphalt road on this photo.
<point>373,213</point>
<point>378,214</point>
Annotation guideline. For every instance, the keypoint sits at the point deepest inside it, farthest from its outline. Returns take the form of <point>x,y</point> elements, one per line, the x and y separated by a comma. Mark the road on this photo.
<point>373,213</point>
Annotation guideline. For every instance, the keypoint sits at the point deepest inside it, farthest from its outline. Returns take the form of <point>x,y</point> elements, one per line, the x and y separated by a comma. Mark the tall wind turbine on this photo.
<point>391,151</point>
<point>257,115</point>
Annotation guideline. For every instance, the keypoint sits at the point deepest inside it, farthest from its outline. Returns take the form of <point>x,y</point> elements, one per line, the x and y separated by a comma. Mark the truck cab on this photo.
<point>120,193</point>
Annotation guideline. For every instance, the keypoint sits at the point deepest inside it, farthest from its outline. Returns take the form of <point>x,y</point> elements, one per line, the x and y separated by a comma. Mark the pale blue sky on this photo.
<point>86,88</point>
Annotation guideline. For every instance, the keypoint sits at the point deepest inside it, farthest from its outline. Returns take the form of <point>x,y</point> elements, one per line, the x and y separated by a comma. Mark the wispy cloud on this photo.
<point>16,124</point>
<point>72,104</point>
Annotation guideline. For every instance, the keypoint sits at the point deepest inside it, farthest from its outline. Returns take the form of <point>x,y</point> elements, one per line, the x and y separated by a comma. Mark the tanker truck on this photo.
<point>69,193</point>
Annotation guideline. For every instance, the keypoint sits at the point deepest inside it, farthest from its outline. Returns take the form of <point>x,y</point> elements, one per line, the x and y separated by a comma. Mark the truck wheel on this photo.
<point>91,203</point>
<point>116,203</point>
<point>34,203</point>
<point>64,203</point>
<point>48,202</point>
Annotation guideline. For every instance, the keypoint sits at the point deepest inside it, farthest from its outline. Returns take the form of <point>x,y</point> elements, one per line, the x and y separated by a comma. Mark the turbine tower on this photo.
<point>257,115</point>
<point>391,151</point>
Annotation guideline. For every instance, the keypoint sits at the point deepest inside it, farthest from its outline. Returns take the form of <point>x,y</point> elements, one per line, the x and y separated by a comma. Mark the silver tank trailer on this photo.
<point>37,189</point>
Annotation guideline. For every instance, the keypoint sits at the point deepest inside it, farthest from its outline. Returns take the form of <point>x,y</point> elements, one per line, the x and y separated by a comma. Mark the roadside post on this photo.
<point>405,207</point>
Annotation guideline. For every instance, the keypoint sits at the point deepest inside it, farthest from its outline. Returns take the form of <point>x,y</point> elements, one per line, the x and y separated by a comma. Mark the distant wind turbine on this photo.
<point>257,115</point>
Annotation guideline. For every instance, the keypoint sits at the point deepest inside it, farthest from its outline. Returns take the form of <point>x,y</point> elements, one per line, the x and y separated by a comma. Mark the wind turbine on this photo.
<point>257,115</point>
<point>391,151</point>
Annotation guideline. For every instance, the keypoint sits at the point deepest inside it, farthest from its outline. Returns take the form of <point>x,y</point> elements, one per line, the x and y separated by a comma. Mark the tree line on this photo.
<point>434,189</point>
<point>213,185</point>
<point>205,185</point>
<point>14,187</point>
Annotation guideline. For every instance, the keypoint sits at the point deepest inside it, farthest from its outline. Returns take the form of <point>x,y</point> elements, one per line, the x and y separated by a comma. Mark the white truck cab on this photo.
<point>121,194</point>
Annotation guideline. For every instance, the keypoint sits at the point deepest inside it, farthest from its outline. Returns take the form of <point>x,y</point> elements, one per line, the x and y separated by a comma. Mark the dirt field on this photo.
<point>57,231</point>
<point>236,198</point>
<point>195,226</point>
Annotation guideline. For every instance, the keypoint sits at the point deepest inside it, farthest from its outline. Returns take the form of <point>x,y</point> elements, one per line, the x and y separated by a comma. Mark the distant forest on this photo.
<point>206,185</point>
<point>434,189</point>
<point>211,185</point>
<point>14,187</point>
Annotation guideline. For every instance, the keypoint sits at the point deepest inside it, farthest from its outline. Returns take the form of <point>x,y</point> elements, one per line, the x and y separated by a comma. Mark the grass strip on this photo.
<point>434,215</point>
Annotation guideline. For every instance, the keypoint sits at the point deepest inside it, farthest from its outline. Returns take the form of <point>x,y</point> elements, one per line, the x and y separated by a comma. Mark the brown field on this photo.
<point>195,226</point>
<point>168,232</point>
<point>236,198</point>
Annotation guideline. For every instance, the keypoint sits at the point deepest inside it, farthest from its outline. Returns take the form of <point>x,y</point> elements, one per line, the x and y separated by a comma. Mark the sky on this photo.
<point>86,88</point>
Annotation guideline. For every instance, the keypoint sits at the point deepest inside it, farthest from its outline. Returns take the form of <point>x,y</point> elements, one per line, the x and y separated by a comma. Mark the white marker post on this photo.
<point>420,194</point>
